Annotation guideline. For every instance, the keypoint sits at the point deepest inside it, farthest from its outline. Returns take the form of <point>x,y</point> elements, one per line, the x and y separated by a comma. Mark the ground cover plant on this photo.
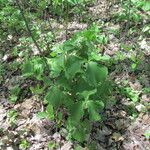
<point>74,74</point>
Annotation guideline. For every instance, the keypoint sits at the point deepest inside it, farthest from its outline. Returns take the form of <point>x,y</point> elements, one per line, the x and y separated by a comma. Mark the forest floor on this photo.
<point>126,121</point>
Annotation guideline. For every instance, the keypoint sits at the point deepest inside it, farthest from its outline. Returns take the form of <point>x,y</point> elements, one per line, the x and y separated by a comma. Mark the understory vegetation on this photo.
<point>74,74</point>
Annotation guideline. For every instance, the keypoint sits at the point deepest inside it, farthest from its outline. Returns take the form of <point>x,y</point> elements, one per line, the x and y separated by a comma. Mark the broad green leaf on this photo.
<point>69,46</point>
<point>95,57</point>
<point>94,108</point>
<point>47,81</point>
<point>55,96</point>
<point>62,81</point>
<point>50,112</point>
<point>72,66</point>
<point>38,70</point>
<point>34,67</point>
<point>81,130</point>
<point>60,116</point>
<point>57,65</point>
<point>38,64</point>
<point>91,34</point>
<point>81,85</point>
<point>87,94</point>
<point>76,112</point>
<point>104,90</point>
<point>28,69</point>
<point>42,115</point>
<point>79,134</point>
<point>146,6</point>
<point>95,73</point>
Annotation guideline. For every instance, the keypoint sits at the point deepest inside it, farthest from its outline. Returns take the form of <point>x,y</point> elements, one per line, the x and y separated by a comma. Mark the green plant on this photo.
<point>52,145</point>
<point>67,8</point>
<point>147,134</point>
<point>79,87</point>
<point>146,90</point>
<point>146,29</point>
<point>129,14</point>
<point>49,113</point>
<point>37,90</point>
<point>12,116</point>
<point>142,4</point>
<point>136,59</point>
<point>24,144</point>
<point>10,18</point>
<point>131,94</point>
<point>14,93</point>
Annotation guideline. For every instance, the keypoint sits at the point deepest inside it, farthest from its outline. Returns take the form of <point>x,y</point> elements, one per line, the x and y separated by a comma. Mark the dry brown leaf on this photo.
<point>66,146</point>
<point>117,137</point>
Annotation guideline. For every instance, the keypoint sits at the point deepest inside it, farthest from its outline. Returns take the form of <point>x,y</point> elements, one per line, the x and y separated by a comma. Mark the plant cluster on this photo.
<point>131,11</point>
<point>77,83</point>
<point>10,18</point>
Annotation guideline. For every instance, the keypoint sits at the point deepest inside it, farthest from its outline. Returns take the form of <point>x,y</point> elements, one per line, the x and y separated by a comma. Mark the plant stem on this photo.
<point>27,26</point>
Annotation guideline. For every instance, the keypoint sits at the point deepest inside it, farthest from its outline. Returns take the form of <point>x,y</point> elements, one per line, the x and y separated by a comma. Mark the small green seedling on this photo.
<point>52,145</point>
<point>24,144</point>
<point>12,116</point>
<point>147,134</point>
<point>14,93</point>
